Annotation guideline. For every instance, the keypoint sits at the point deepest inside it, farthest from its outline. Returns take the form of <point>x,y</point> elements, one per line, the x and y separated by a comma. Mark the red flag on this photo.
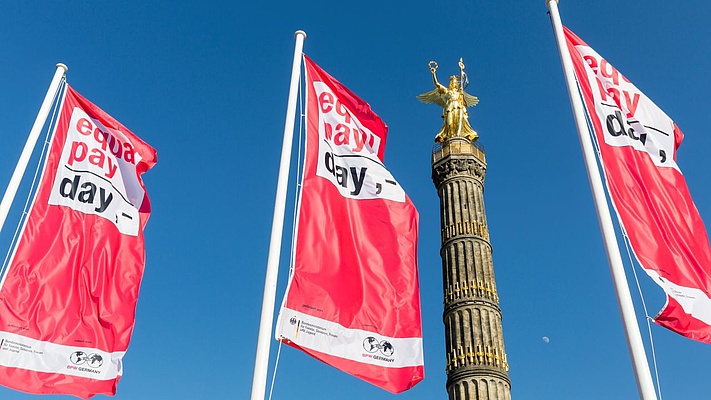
<point>638,144</point>
<point>353,300</point>
<point>68,299</point>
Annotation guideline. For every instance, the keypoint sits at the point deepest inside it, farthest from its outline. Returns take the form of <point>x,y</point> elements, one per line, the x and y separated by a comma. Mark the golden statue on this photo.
<point>454,101</point>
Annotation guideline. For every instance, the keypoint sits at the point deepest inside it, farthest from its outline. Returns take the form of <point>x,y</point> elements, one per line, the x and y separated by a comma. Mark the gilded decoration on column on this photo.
<point>454,102</point>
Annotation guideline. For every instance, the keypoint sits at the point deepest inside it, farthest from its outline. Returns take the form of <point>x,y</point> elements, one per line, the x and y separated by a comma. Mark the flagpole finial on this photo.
<point>548,2</point>
<point>62,66</point>
<point>300,32</point>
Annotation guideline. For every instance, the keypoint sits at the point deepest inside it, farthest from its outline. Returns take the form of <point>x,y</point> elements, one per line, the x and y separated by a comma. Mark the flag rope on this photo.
<point>33,185</point>
<point>646,314</point>
<point>299,177</point>
<point>299,172</point>
<point>276,364</point>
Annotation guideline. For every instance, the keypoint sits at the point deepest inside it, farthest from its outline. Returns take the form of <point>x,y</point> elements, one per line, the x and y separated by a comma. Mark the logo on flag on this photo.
<point>371,345</point>
<point>354,295</point>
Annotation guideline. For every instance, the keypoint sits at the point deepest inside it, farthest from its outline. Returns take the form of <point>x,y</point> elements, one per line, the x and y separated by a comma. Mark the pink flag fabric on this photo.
<point>68,298</point>
<point>638,144</point>
<point>353,300</point>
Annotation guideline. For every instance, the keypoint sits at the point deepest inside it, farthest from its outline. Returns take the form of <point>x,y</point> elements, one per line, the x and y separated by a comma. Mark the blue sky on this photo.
<point>206,85</point>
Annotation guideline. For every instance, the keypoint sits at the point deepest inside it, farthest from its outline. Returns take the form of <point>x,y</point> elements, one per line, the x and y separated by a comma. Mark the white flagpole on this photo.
<point>14,184</point>
<point>261,362</point>
<point>645,386</point>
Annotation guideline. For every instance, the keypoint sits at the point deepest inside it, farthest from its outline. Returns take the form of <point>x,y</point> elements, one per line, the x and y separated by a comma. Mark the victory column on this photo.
<point>477,368</point>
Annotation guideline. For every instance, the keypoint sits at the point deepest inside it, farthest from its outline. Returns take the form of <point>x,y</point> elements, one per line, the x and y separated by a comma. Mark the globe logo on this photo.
<point>93,360</point>
<point>78,358</point>
<point>372,345</point>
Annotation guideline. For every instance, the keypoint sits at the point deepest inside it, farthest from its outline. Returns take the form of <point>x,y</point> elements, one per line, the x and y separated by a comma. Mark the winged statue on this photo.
<point>454,102</point>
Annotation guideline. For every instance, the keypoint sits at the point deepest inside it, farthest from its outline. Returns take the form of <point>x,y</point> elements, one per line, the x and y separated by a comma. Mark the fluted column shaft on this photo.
<point>477,366</point>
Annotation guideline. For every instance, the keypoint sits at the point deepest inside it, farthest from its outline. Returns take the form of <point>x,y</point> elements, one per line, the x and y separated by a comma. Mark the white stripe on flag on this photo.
<point>353,344</point>
<point>22,352</point>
